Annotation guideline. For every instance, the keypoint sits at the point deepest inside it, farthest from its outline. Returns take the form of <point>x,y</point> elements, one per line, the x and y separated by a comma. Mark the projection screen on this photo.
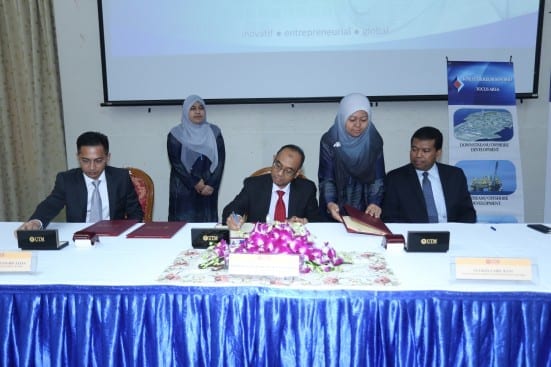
<point>158,52</point>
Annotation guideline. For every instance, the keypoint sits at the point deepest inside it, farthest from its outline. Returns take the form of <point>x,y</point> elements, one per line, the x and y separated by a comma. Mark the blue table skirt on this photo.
<point>202,326</point>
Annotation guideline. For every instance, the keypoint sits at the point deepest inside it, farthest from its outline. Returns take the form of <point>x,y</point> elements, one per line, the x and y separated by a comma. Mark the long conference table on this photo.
<point>104,306</point>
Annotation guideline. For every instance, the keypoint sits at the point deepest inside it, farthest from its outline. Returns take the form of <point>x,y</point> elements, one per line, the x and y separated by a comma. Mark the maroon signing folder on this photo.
<point>359,222</point>
<point>156,230</point>
<point>110,227</point>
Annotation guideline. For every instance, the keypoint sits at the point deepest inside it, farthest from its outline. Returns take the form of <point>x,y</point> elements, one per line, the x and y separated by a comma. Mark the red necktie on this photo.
<point>280,207</point>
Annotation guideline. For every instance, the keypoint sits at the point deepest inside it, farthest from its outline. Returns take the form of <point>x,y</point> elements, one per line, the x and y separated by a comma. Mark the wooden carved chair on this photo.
<point>143,184</point>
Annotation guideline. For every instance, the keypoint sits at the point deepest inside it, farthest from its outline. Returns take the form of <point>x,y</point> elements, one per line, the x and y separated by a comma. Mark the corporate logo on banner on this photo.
<point>484,137</point>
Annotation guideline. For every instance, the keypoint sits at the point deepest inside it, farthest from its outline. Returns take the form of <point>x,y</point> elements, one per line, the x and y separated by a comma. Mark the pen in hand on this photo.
<point>234,221</point>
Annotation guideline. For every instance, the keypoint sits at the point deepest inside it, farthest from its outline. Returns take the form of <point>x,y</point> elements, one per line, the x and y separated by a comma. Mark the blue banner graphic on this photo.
<point>481,83</point>
<point>484,137</point>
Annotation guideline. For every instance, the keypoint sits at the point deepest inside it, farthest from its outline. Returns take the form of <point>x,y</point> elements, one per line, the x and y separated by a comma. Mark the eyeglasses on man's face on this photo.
<point>289,172</point>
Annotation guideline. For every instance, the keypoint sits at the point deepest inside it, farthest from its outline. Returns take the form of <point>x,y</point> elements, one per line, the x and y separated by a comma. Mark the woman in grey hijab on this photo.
<point>351,164</point>
<point>197,155</point>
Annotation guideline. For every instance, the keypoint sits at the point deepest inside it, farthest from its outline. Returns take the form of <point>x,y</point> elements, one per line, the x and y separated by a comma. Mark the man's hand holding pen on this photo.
<point>235,221</point>
<point>295,219</point>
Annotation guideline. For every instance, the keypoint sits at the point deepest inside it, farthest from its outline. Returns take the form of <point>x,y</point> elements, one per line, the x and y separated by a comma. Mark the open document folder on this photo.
<point>359,222</point>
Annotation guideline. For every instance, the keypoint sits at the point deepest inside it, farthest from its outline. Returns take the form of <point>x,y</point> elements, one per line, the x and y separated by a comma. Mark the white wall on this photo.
<point>254,132</point>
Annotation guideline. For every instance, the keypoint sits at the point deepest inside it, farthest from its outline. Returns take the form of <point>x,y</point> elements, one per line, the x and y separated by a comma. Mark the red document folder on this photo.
<point>359,222</point>
<point>156,230</point>
<point>110,227</point>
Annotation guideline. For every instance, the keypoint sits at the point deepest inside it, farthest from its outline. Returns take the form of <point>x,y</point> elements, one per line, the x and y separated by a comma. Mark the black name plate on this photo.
<point>205,237</point>
<point>421,241</point>
<point>44,239</point>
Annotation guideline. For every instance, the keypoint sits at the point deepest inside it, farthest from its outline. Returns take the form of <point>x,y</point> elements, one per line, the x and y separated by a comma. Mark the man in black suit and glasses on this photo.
<point>258,199</point>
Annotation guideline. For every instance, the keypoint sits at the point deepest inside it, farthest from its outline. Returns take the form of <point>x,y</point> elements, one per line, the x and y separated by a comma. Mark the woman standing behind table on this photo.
<point>197,155</point>
<point>351,167</point>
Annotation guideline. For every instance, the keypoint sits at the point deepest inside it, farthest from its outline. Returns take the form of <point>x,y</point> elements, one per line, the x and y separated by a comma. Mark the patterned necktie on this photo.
<point>429,199</point>
<point>95,204</point>
<point>280,214</point>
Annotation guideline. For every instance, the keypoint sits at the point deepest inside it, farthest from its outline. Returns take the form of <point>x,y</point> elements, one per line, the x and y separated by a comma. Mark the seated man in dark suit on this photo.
<point>75,189</point>
<point>441,196</point>
<point>258,200</point>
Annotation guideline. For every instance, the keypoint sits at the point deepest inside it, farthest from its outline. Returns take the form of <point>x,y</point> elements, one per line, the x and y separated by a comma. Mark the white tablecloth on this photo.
<point>122,261</point>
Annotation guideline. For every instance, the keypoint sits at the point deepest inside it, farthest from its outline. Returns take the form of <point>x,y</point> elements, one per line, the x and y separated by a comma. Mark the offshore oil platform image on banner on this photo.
<point>487,184</point>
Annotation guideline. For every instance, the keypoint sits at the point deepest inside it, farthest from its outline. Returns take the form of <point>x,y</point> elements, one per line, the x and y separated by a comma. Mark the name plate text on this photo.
<point>16,261</point>
<point>493,268</point>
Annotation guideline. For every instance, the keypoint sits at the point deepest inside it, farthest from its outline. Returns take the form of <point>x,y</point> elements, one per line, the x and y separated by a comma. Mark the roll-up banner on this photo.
<point>484,137</point>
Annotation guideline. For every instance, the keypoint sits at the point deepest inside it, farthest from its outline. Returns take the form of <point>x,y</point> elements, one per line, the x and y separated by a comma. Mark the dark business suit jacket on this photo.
<point>70,192</point>
<point>254,199</point>
<point>404,201</point>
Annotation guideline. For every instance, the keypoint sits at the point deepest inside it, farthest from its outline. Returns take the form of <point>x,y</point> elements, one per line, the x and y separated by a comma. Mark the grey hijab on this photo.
<point>196,139</point>
<point>357,154</point>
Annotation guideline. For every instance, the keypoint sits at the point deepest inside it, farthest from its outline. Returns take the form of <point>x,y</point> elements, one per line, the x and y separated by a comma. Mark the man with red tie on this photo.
<point>283,195</point>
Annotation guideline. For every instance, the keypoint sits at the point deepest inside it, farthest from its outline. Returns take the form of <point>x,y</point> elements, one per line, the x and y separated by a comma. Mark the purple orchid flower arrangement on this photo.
<point>277,238</point>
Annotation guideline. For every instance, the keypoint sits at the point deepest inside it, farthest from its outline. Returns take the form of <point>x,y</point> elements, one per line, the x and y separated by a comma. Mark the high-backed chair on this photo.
<point>262,171</point>
<point>267,170</point>
<point>143,184</point>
